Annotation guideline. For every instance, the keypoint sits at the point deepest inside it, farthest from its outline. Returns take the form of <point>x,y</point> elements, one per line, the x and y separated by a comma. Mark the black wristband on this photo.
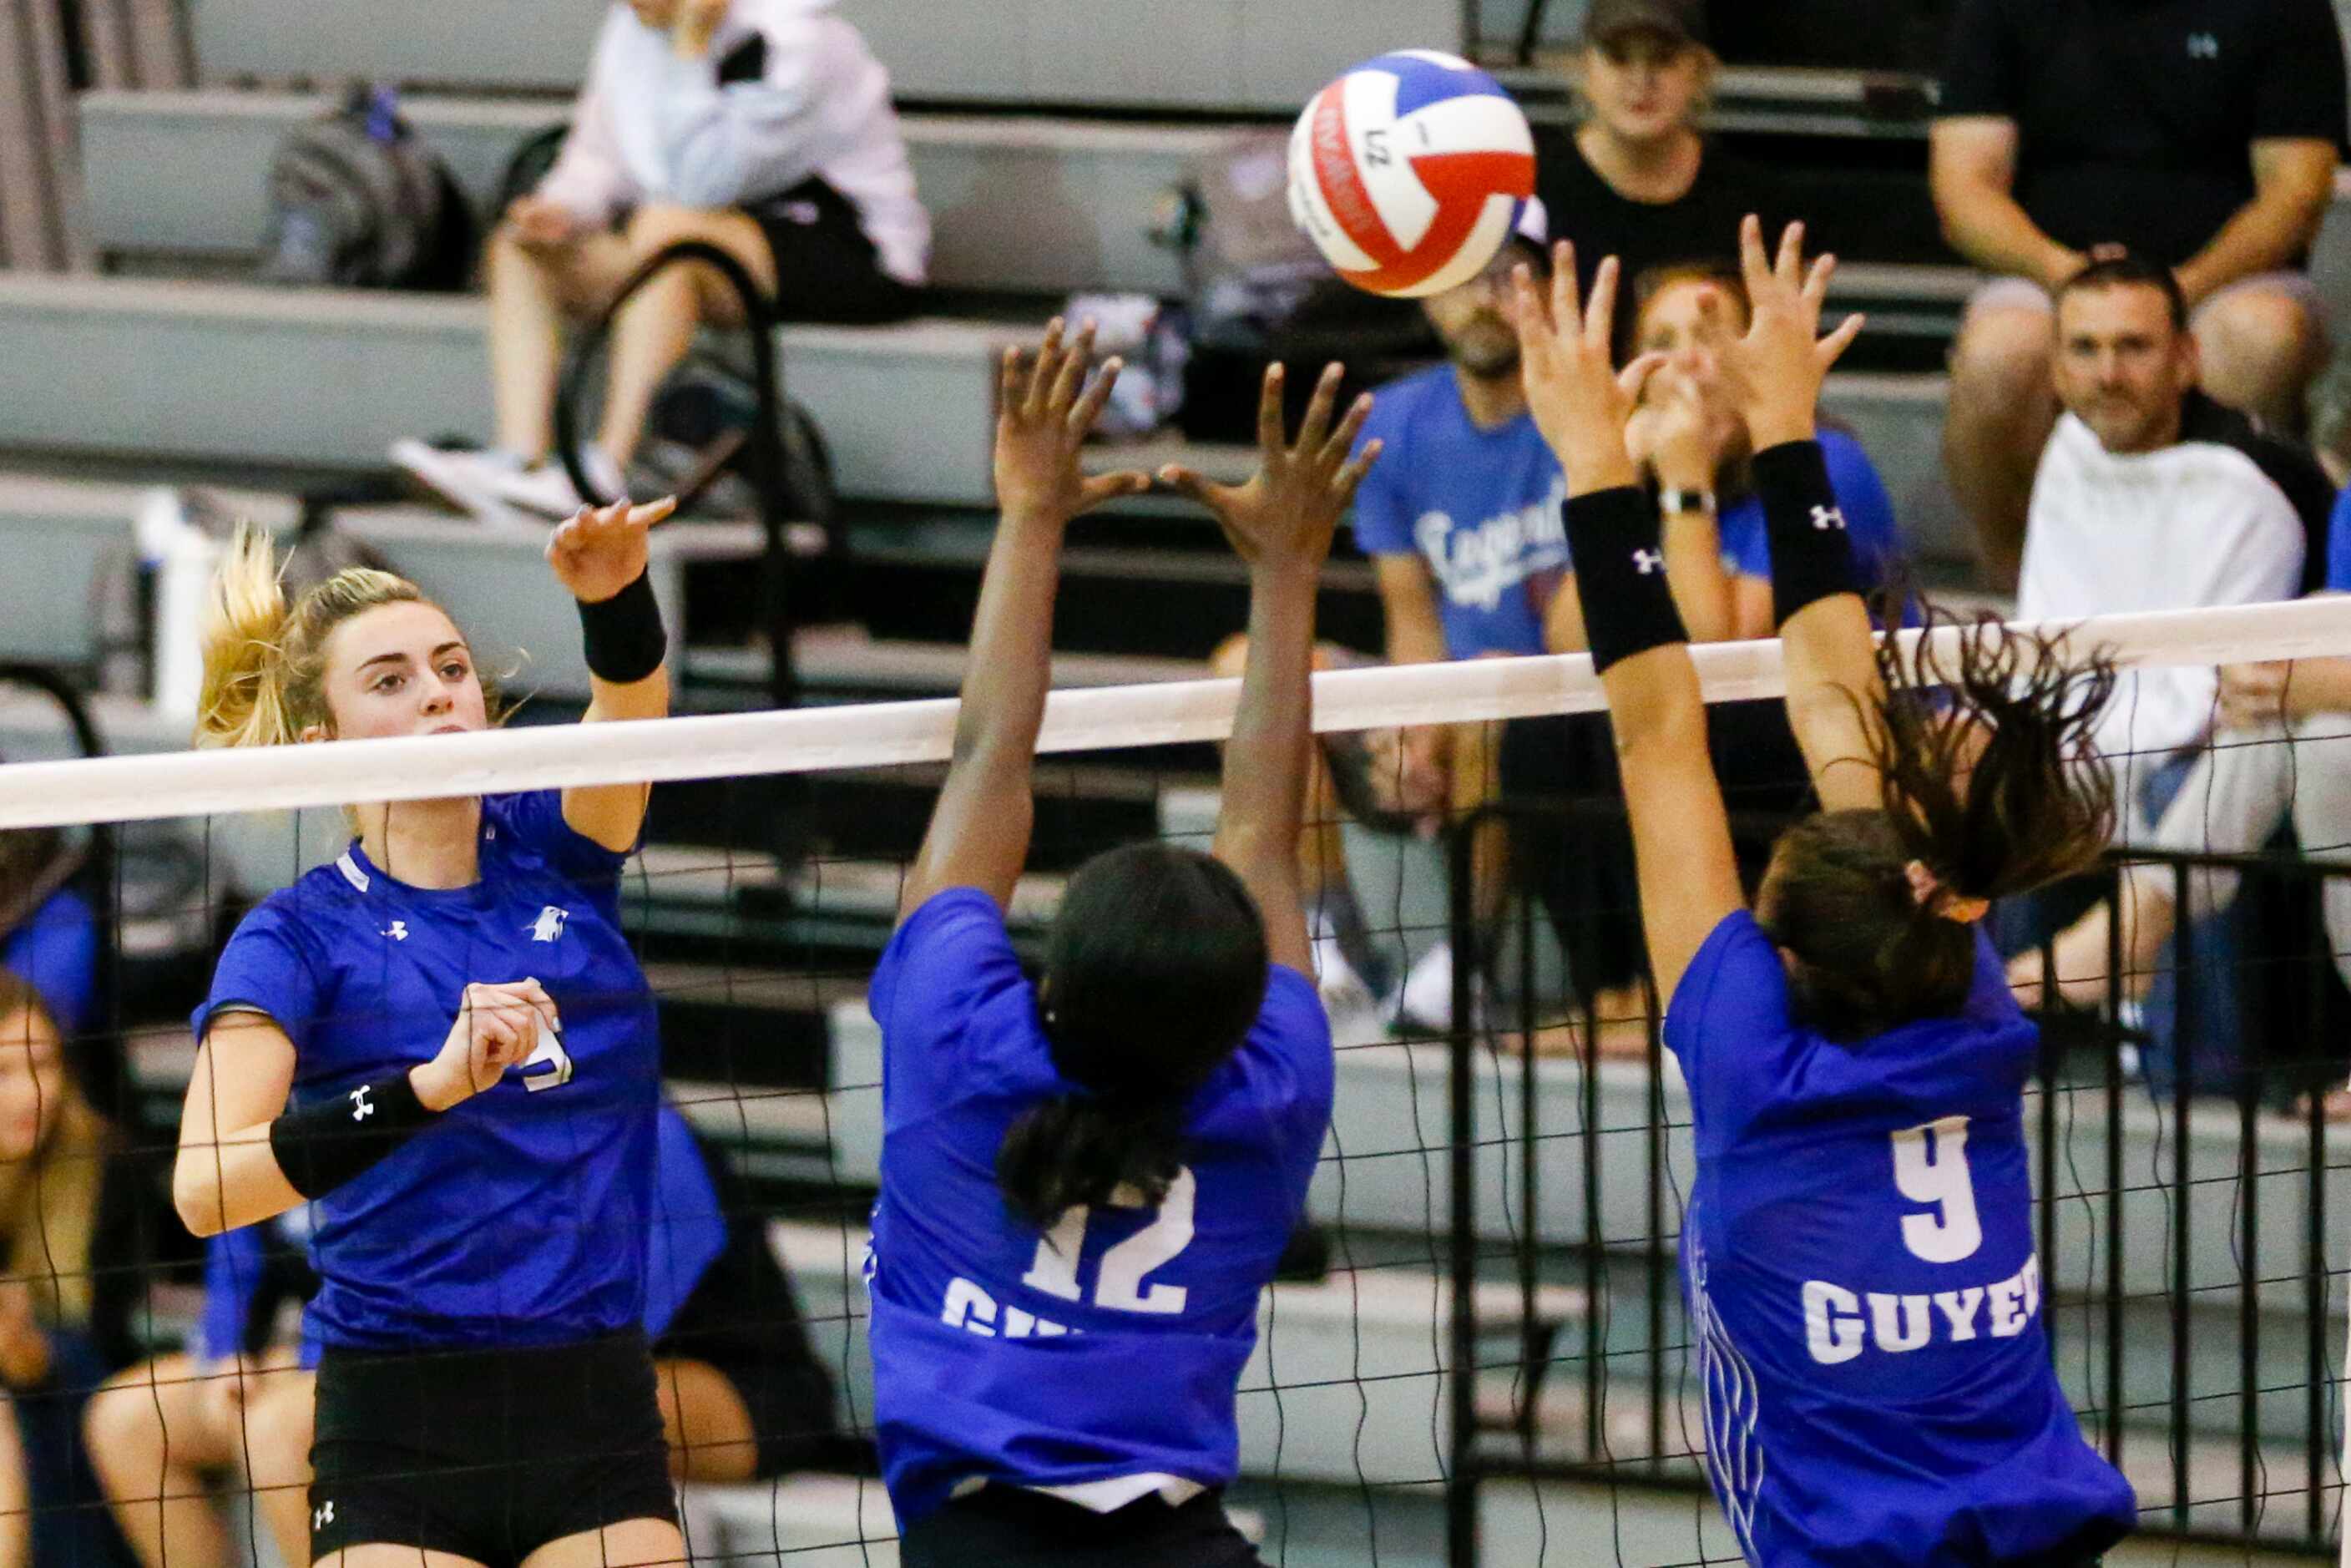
<point>1812,554</point>
<point>622,635</point>
<point>1620,575</point>
<point>321,1146</point>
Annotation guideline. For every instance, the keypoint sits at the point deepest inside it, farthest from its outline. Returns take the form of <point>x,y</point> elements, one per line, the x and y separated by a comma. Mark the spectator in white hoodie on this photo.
<point>763,127</point>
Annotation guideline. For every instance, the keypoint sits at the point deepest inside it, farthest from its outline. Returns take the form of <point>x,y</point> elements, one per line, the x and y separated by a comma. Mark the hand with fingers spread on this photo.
<point>1581,402</point>
<point>600,550</point>
<point>1775,372</point>
<point>1042,419</point>
<point>498,1027</point>
<point>1285,515</point>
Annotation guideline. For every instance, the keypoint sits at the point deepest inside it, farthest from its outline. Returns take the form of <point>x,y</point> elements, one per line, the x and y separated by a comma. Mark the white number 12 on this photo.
<point>1119,1287</point>
<point>1930,1166</point>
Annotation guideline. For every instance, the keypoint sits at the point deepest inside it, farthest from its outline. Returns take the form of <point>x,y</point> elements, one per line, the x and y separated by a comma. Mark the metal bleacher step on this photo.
<point>332,377</point>
<point>1227,55</point>
<point>183,174</point>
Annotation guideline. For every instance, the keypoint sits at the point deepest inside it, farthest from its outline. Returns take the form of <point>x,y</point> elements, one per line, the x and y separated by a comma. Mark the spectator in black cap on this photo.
<point>1635,180</point>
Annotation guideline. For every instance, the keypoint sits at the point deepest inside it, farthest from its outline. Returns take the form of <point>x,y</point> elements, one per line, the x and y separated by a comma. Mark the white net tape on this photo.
<point>809,740</point>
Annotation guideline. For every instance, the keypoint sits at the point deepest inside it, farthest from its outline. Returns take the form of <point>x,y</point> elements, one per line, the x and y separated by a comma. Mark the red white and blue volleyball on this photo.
<point>1410,171</point>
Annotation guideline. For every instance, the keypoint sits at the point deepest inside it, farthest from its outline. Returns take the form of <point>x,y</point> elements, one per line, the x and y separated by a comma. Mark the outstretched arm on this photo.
<point>1280,523</point>
<point>1681,834</point>
<point>1775,372</point>
<point>979,835</point>
<point>600,557</point>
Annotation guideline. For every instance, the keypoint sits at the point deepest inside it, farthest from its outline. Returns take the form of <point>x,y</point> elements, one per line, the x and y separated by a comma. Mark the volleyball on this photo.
<point>1410,171</point>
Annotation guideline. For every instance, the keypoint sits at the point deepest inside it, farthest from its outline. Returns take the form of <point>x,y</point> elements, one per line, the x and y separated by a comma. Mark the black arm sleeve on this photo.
<point>1620,575</point>
<point>1812,550</point>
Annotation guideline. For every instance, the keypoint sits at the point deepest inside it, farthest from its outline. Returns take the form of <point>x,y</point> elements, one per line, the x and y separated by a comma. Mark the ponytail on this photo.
<point>1992,789</point>
<point>1081,1149</point>
<point>264,664</point>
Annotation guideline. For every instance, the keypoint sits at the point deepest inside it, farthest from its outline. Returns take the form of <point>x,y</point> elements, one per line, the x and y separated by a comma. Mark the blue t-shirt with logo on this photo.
<point>1113,1345</point>
<point>1865,1298</point>
<point>1482,508</point>
<point>498,1223</point>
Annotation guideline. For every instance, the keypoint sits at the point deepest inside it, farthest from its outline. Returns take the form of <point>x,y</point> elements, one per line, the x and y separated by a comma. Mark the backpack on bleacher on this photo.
<point>1259,291</point>
<point>356,200</point>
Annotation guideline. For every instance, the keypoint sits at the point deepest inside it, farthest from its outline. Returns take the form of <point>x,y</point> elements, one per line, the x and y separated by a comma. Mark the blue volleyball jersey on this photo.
<point>1865,1305</point>
<point>518,1217</point>
<point>1112,1347</point>
<point>2338,546</point>
<point>1481,508</point>
<point>56,952</point>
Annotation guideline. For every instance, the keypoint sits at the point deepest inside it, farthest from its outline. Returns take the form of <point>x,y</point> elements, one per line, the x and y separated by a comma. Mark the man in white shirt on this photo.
<point>2150,496</point>
<point>763,127</point>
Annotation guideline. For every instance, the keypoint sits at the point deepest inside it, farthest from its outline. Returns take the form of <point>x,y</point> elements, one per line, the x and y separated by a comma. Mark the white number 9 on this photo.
<point>1930,1166</point>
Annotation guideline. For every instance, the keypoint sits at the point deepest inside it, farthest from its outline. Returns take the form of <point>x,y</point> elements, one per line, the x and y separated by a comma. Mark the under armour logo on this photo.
<point>2203,46</point>
<point>1827,517</point>
<point>1647,560</point>
<point>361,1106</point>
<point>323,1515</point>
<point>397,930</point>
<point>549,924</point>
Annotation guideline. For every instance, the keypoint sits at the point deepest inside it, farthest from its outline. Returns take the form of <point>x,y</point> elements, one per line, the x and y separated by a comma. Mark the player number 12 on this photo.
<point>1118,1282</point>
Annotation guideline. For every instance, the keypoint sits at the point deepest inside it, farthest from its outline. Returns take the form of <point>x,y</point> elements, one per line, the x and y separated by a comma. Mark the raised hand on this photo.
<point>1774,372</point>
<point>1580,402</point>
<point>498,1027</point>
<point>1286,512</point>
<point>600,550</point>
<point>1042,420</point>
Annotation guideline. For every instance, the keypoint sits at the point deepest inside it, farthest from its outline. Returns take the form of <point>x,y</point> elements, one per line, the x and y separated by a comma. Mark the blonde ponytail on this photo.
<point>264,664</point>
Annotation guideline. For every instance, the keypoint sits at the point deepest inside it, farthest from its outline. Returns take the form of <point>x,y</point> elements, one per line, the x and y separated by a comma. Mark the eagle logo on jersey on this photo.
<point>549,924</point>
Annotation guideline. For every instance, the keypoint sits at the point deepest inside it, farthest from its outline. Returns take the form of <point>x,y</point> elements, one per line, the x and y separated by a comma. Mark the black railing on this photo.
<point>2168,1413</point>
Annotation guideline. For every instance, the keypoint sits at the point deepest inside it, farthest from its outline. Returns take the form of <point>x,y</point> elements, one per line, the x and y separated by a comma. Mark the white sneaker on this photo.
<point>466,479</point>
<point>548,491</point>
<point>1424,1003</point>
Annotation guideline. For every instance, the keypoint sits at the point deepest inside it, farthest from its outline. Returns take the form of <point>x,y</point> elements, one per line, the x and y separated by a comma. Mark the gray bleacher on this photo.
<point>1262,55</point>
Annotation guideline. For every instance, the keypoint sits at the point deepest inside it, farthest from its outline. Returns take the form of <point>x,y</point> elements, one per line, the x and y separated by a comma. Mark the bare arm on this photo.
<point>600,552</point>
<point>226,1173</point>
<point>1280,523</point>
<point>1681,834</point>
<point>979,835</point>
<point>1416,631</point>
<point>1833,686</point>
<point>2294,180</point>
<point>1971,169</point>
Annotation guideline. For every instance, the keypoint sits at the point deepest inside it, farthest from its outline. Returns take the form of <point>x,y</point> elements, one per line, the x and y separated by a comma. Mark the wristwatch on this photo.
<point>1683,502</point>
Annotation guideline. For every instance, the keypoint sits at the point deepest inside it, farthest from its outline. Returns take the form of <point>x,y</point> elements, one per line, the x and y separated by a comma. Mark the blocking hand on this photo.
<point>1286,512</point>
<point>1042,419</point>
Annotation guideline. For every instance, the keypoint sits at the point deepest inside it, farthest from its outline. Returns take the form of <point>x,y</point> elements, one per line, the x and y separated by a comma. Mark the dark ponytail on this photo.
<point>1991,787</point>
<point>1081,1149</point>
<point>1154,971</point>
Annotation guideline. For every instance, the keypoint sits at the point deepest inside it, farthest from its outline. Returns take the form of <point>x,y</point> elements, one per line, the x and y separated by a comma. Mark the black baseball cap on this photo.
<point>1682,20</point>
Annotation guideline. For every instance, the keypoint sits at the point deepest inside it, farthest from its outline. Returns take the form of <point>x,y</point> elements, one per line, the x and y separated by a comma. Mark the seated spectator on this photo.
<point>2201,134</point>
<point>1635,180</point>
<point>763,127</point>
<point>76,1231</point>
<point>2150,496</point>
<point>741,1395</point>
<point>2280,754</point>
<point>48,933</point>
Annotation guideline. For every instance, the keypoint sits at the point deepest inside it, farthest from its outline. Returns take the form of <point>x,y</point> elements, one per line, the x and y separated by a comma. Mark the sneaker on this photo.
<point>547,490</point>
<point>1424,1003</point>
<point>468,479</point>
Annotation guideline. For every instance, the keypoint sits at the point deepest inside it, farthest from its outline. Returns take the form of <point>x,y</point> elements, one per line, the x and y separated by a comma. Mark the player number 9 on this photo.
<point>1930,1166</point>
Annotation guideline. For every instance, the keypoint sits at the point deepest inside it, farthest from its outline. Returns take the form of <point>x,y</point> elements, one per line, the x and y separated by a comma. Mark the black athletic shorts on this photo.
<point>489,1454</point>
<point>1000,1527</point>
<point>827,270</point>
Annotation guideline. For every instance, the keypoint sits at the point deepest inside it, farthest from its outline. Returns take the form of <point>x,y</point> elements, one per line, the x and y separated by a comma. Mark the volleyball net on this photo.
<point>1479,1349</point>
